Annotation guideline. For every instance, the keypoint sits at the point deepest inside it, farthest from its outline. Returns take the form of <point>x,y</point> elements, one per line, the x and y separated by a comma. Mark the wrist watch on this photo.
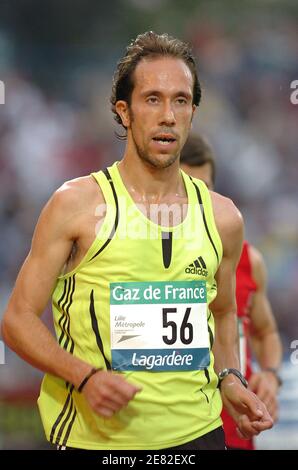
<point>236,372</point>
<point>274,371</point>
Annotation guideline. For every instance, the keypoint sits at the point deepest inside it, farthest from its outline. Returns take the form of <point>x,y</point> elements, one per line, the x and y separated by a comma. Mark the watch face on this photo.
<point>223,373</point>
<point>235,372</point>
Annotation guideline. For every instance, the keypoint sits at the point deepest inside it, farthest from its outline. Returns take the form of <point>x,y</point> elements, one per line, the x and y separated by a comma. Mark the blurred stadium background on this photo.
<point>57,58</point>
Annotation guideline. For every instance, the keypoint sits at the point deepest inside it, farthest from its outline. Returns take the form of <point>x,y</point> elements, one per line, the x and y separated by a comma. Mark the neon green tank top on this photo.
<point>138,304</point>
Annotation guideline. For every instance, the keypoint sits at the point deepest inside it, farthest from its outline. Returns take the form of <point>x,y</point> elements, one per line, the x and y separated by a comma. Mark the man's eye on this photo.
<point>181,101</point>
<point>152,99</point>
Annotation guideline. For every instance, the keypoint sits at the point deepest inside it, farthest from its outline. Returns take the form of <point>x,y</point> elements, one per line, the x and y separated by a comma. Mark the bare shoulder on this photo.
<point>255,256</point>
<point>74,195</point>
<point>258,264</point>
<point>228,218</point>
<point>67,210</point>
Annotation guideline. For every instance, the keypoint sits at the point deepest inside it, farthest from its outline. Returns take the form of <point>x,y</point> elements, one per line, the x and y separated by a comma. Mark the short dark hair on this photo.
<point>197,152</point>
<point>149,44</point>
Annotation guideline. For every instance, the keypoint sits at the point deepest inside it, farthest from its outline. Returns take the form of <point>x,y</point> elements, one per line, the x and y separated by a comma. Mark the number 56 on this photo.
<point>185,327</point>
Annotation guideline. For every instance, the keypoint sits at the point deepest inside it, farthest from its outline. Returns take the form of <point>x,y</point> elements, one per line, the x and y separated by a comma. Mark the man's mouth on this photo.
<point>164,139</point>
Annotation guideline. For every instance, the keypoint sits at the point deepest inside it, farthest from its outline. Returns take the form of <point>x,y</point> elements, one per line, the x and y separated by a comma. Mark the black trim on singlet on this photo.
<point>113,231</point>
<point>96,330</point>
<point>66,420</point>
<point>67,287</point>
<point>63,318</point>
<point>167,243</point>
<point>65,326</point>
<point>204,217</point>
<point>69,427</point>
<point>207,374</point>
<point>211,337</point>
<point>201,390</point>
<point>60,416</point>
<point>69,407</point>
<point>63,294</point>
<point>67,322</point>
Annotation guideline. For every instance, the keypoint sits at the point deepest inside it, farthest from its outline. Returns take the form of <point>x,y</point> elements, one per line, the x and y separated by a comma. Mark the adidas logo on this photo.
<point>197,267</point>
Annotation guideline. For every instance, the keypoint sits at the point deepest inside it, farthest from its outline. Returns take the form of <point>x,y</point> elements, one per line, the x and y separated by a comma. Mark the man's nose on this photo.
<point>167,115</point>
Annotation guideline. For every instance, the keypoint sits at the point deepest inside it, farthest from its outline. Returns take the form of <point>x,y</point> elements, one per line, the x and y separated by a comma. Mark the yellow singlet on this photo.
<point>137,304</point>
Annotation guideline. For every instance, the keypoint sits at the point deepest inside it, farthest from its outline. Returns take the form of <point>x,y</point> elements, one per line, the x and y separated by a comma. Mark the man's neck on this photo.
<point>149,183</point>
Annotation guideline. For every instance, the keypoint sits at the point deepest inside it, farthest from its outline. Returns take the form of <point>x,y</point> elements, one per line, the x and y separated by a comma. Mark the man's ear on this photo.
<point>194,107</point>
<point>123,111</point>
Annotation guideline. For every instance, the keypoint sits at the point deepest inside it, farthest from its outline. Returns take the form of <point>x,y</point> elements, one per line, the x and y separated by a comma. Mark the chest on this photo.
<point>168,213</point>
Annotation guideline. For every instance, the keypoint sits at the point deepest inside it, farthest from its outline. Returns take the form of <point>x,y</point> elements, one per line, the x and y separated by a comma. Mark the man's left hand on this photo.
<point>247,410</point>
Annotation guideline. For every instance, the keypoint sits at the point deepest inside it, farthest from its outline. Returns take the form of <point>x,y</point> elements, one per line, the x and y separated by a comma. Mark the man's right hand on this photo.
<point>107,393</point>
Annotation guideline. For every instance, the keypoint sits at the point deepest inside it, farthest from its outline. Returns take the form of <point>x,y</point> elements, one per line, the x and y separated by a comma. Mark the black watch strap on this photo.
<point>274,371</point>
<point>236,372</point>
<point>88,376</point>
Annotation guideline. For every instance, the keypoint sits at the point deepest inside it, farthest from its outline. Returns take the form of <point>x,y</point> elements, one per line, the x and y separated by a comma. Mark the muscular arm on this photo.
<point>247,410</point>
<point>264,335</point>
<point>230,226</point>
<point>22,328</point>
<point>264,338</point>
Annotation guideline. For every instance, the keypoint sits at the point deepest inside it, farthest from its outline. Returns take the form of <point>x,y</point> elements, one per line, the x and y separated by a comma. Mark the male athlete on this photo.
<point>255,319</point>
<point>132,367</point>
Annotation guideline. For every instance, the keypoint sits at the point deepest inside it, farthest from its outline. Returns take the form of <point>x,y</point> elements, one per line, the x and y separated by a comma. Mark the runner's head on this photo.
<point>154,95</point>
<point>197,160</point>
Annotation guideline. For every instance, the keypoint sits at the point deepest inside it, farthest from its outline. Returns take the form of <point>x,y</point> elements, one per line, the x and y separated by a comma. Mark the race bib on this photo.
<point>159,326</point>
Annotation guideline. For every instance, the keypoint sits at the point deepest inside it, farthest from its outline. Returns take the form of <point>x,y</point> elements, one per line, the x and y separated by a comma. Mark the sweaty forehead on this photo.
<point>163,72</point>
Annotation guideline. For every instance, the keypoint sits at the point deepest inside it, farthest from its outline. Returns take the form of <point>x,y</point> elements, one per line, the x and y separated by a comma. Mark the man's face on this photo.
<point>203,172</point>
<point>161,110</point>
